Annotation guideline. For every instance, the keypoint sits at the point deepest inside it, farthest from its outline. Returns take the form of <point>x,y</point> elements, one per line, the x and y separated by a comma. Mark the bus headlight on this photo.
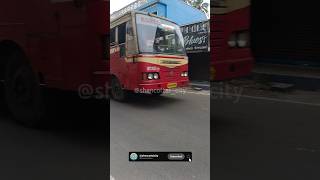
<point>243,39</point>
<point>184,74</point>
<point>155,76</point>
<point>150,76</point>
<point>232,42</point>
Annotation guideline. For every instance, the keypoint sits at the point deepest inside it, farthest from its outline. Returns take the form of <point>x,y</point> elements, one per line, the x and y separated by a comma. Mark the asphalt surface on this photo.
<point>71,147</point>
<point>173,122</point>
<point>252,138</point>
<point>259,138</point>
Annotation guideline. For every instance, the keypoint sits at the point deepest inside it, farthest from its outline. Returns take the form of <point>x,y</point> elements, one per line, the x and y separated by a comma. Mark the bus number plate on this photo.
<point>172,85</point>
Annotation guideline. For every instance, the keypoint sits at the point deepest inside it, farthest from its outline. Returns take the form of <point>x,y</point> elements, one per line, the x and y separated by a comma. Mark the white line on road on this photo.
<point>270,99</point>
<point>203,92</point>
<point>112,178</point>
<point>198,93</point>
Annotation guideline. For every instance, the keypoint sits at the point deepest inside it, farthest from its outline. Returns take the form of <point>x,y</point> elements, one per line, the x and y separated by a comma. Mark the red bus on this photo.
<point>230,39</point>
<point>59,44</point>
<point>147,54</point>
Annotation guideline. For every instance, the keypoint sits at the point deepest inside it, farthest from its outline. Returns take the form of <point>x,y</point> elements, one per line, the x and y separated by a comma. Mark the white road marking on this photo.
<point>205,93</point>
<point>112,178</point>
<point>189,91</point>
<point>270,99</point>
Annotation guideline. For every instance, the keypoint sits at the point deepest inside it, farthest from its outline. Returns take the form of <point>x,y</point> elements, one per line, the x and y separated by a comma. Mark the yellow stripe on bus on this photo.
<point>166,62</point>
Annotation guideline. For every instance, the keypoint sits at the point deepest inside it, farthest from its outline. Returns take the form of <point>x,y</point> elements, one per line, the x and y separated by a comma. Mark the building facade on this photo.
<point>197,43</point>
<point>286,33</point>
<point>175,10</point>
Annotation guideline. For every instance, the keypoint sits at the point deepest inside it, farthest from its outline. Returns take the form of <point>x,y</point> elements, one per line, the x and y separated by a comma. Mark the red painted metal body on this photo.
<point>130,69</point>
<point>64,41</point>
<point>130,73</point>
<point>227,62</point>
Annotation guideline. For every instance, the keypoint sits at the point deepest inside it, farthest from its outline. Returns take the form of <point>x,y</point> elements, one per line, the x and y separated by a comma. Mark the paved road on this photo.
<point>263,139</point>
<point>66,151</point>
<point>170,123</point>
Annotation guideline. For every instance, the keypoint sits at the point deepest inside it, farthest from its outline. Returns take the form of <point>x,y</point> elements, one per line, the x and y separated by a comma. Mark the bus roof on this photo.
<point>140,12</point>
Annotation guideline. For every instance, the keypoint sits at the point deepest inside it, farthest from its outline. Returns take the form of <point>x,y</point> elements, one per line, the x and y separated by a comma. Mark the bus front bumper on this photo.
<point>224,70</point>
<point>164,85</point>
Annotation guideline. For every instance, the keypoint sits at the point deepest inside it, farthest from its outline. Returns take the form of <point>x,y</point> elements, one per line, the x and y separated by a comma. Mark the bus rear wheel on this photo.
<point>22,91</point>
<point>117,92</point>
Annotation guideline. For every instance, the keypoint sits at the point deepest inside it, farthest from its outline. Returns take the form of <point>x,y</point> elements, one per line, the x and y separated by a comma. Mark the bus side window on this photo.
<point>122,39</point>
<point>130,39</point>
<point>112,37</point>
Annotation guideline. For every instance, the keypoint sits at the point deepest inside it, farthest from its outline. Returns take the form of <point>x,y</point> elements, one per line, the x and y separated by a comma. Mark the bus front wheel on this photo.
<point>117,92</point>
<point>22,91</point>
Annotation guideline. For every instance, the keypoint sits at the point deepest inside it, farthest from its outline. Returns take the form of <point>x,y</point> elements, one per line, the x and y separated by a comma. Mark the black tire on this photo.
<point>117,92</point>
<point>22,91</point>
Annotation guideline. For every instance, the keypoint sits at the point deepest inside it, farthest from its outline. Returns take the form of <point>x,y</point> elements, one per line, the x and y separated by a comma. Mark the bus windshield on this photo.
<point>158,36</point>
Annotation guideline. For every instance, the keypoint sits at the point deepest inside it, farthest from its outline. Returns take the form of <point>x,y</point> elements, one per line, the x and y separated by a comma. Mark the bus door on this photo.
<point>118,52</point>
<point>122,54</point>
<point>131,51</point>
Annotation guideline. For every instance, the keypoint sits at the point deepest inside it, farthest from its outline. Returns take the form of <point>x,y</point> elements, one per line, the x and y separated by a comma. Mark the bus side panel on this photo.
<point>15,33</point>
<point>230,62</point>
<point>99,26</point>
<point>239,20</point>
<point>133,76</point>
<point>58,39</point>
<point>74,44</point>
<point>32,25</point>
<point>13,26</point>
<point>51,62</point>
<point>44,33</point>
<point>118,66</point>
